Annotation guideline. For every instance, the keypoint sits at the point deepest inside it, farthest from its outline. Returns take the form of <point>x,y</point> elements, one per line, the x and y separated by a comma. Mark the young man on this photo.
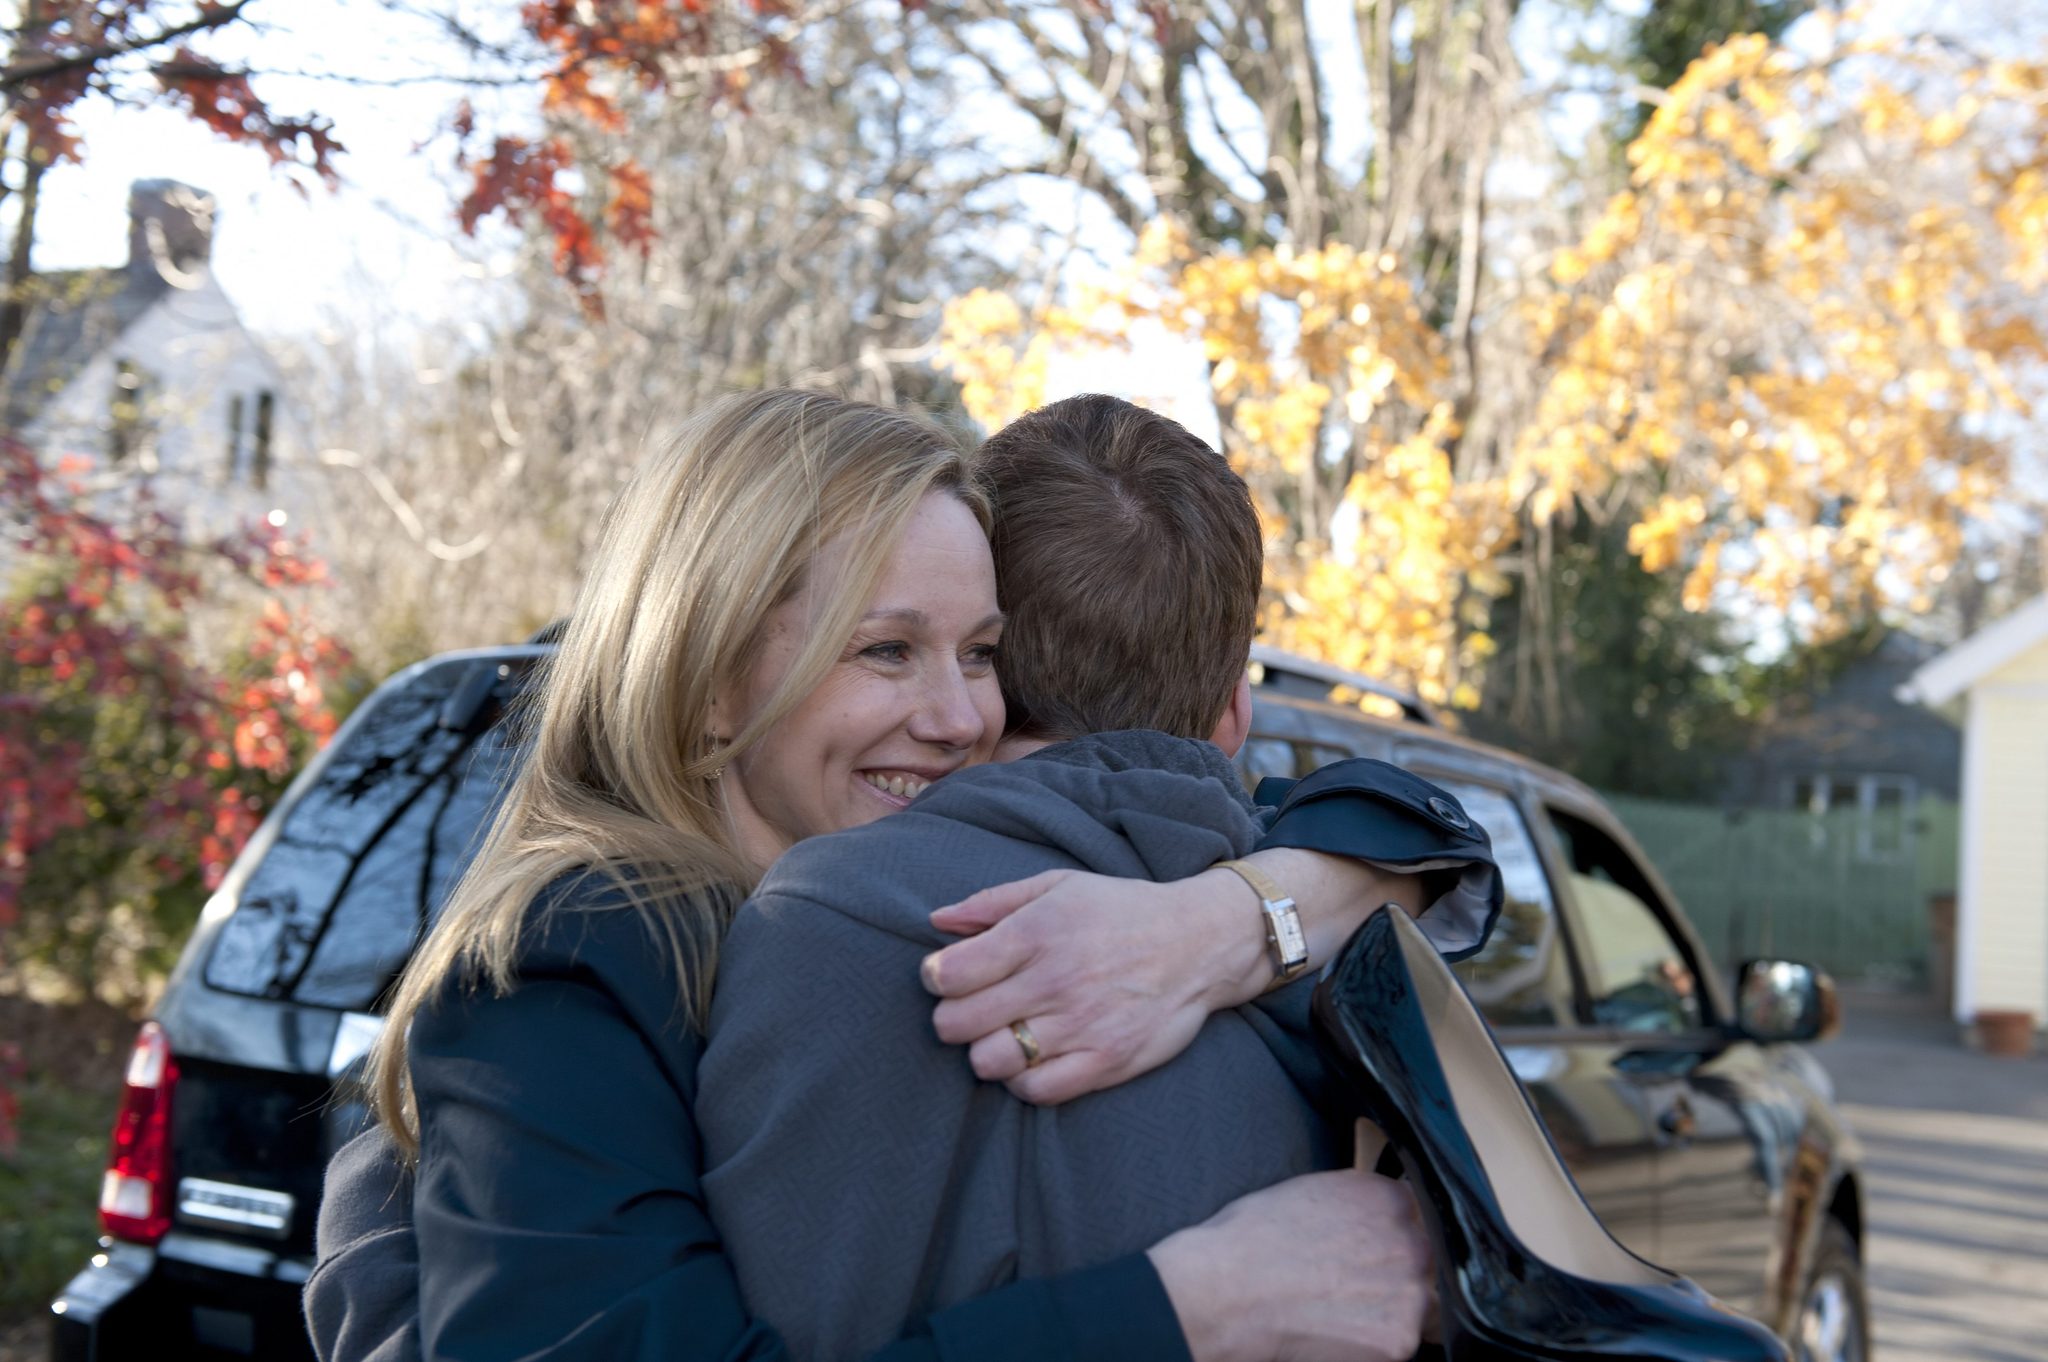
<point>858,1170</point>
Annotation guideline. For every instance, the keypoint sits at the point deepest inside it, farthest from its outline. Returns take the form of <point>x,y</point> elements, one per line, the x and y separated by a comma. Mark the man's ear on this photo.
<point>1236,724</point>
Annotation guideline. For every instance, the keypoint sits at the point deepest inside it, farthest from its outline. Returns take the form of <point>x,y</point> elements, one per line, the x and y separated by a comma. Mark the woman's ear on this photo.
<point>718,719</point>
<point>1236,724</point>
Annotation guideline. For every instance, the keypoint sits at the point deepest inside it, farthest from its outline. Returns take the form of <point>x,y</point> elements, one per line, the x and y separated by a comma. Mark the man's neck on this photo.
<point>1023,745</point>
<point>1019,745</point>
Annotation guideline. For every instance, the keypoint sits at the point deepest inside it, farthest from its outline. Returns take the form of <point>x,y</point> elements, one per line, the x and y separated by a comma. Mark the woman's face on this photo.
<point>912,697</point>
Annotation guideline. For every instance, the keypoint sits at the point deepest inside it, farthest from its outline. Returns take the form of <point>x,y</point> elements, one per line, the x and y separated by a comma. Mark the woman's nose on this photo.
<point>948,717</point>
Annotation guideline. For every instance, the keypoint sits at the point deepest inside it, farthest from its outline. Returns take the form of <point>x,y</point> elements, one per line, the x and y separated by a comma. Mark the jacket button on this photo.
<point>1449,812</point>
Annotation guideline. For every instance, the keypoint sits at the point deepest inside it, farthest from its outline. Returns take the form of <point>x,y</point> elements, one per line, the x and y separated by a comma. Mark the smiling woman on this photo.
<point>912,697</point>
<point>742,615</point>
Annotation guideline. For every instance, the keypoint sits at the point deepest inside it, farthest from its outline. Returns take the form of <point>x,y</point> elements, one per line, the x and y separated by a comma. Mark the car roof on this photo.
<point>1407,743</point>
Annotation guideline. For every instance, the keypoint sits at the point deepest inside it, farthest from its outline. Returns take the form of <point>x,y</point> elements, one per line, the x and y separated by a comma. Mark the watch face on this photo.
<point>1290,944</point>
<point>1293,945</point>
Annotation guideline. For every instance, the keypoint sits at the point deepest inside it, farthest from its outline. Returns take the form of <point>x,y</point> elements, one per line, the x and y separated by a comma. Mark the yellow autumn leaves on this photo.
<point>1314,358</point>
<point>1794,352</point>
<point>1806,369</point>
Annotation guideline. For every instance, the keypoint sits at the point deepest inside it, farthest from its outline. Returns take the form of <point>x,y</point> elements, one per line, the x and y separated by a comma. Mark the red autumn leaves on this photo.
<point>98,626</point>
<point>66,51</point>
<point>598,53</point>
<point>589,58</point>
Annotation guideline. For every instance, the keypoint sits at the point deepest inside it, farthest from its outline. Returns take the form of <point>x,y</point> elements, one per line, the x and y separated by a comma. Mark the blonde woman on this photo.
<point>790,624</point>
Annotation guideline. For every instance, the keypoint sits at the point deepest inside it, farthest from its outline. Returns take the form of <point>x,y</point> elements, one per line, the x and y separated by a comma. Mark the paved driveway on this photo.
<point>1956,1152</point>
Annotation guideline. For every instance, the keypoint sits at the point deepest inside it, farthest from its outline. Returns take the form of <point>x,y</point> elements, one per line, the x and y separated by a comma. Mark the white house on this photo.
<point>1998,680</point>
<point>144,370</point>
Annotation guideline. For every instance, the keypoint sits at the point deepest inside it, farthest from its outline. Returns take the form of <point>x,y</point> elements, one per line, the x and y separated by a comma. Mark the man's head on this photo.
<point>1128,556</point>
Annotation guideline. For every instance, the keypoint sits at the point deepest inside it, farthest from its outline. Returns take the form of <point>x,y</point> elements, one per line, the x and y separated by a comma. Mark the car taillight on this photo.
<point>135,1194</point>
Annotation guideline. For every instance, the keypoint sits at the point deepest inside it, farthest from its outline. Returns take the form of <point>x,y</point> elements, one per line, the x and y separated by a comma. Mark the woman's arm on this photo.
<point>1333,895</point>
<point>1115,977</point>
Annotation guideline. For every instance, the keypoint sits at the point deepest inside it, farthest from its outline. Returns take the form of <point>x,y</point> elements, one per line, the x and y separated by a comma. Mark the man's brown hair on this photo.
<point>1128,556</point>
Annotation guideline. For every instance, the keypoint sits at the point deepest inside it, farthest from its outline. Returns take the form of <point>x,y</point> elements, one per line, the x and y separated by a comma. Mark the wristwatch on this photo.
<point>1284,936</point>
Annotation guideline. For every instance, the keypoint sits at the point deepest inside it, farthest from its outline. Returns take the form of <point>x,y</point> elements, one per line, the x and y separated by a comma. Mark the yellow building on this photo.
<point>1996,683</point>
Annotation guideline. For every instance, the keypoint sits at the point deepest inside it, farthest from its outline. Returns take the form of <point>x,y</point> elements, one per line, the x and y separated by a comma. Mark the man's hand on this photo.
<point>1113,977</point>
<point>1327,1267</point>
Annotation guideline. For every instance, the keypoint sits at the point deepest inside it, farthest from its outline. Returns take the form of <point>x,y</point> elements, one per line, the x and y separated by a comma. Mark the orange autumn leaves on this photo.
<point>1795,353</point>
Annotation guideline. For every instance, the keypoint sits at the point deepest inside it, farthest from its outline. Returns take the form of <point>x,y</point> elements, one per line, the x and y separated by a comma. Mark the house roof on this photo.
<point>74,315</point>
<point>1857,724</point>
<point>1977,656</point>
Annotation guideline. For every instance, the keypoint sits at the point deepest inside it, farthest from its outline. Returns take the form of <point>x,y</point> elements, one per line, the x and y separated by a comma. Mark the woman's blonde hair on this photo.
<point>620,778</point>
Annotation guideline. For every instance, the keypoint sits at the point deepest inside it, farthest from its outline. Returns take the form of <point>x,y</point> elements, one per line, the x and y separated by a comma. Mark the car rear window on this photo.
<point>365,857</point>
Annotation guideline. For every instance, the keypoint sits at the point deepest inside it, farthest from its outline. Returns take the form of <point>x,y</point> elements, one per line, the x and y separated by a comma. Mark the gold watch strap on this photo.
<point>1285,938</point>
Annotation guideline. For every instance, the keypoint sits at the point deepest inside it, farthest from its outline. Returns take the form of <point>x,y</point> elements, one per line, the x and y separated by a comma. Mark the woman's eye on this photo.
<point>887,652</point>
<point>981,655</point>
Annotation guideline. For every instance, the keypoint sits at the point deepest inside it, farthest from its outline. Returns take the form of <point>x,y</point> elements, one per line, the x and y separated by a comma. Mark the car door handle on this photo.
<point>1676,1121</point>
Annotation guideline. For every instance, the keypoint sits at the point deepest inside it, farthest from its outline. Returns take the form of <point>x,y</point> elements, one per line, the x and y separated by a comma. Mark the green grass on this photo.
<point>49,1188</point>
<point>50,1182</point>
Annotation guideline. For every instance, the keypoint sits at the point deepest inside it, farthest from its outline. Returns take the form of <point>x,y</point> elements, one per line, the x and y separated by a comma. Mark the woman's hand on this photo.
<point>1327,1267</point>
<point>1112,977</point>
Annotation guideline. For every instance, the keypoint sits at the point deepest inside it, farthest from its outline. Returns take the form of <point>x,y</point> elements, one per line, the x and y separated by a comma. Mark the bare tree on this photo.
<point>807,239</point>
<point>1241,120</point>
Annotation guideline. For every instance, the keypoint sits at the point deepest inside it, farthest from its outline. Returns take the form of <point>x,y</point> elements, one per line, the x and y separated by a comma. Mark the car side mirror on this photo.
<point>1784,1000</point>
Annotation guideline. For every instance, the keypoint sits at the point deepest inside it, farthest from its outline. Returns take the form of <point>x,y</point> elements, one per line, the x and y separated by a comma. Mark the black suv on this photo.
<point>1704,1141</point>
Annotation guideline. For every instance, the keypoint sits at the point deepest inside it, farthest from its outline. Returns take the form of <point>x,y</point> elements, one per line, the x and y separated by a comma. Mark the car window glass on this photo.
<point>1522,976</point>
<point>377,913</point>
<point>1314,756</point>
<point>1637,975</point>
<point>1263,756</point>
<point>402,880</point>
<point>489,769</point>
<point>330,911</point>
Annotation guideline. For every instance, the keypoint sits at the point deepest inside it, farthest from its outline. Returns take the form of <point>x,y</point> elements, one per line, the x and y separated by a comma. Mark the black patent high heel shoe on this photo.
<point>1525,1270</point>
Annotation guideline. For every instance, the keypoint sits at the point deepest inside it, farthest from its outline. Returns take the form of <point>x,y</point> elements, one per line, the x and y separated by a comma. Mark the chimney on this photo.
<point>170,231</point>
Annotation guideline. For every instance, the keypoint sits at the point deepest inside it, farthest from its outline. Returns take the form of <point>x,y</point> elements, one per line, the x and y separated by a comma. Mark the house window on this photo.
<point>1871,816</point>
<point>259,463</point>
<point>128,412</point>
<point>234,444</point>
<point>1819,794</point>
<point>1884,828</point>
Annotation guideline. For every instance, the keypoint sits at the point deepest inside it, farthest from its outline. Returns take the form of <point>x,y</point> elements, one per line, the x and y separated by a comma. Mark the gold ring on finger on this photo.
<point>1026,1042</point>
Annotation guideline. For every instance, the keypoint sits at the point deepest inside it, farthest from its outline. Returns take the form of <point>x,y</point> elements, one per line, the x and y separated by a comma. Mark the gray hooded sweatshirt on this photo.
<point>859,1172</point>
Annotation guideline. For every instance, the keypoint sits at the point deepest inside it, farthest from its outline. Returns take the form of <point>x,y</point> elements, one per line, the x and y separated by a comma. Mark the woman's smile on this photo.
<point>898,788</point>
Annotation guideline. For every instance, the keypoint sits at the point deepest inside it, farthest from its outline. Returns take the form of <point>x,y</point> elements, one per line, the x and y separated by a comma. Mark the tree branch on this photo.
<point>402,510</point>
<point>1051,117</point>
<point>209,18</point>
